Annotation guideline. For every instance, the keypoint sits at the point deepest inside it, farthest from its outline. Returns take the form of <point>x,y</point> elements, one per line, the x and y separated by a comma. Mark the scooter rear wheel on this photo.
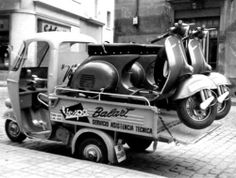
<point>192,115</point>
<point>223,109</point>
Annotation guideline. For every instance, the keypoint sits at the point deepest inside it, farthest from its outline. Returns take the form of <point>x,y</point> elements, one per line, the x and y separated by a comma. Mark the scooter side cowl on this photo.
<point>192,85</point>
<point>105,72</point>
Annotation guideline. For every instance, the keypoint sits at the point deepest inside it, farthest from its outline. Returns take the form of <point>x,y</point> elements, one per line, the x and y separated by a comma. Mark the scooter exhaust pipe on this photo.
<point>206,103</point>
<point>222,97</point>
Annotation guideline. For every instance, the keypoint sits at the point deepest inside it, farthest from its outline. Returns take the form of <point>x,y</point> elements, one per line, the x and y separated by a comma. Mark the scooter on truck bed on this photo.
<point>93,121</point>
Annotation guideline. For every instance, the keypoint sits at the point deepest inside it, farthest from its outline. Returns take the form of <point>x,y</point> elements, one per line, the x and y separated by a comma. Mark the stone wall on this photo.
<point>154,17</point>
<point>227,41</point>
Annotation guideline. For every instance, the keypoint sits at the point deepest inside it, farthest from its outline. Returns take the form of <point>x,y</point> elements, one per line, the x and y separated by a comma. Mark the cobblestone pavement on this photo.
<point>212,156</point>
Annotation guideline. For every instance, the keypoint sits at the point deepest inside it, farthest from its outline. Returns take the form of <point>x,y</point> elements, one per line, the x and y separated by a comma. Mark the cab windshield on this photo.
<point>19,58</point>
<point>35,55</point>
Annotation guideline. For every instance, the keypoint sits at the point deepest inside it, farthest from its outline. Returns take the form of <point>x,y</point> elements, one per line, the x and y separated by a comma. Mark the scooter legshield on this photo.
<point>192,85</point>
<point>197,58</point>
<point>177,65</point>
<point>9,114</point>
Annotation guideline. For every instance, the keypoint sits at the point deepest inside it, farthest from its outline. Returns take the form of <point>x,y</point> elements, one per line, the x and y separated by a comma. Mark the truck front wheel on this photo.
<point>13,131</point>
<point>92,149</point>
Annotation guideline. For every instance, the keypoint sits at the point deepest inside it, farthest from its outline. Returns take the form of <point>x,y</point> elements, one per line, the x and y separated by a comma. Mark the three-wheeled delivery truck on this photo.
<point>94,123</point>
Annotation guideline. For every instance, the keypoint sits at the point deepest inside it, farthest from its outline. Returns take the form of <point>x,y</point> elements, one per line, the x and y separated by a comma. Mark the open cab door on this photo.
<point>28,78</point>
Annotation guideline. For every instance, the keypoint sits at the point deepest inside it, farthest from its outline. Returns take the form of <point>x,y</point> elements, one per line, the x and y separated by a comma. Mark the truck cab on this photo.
<point>44,61</point>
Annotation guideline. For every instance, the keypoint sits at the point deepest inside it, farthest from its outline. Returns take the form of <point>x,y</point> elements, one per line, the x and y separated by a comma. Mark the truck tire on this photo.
<point>138,144</point>
<point>92,149</point>
<point>13,131</point>
<point>223,109</point>
<point>192,116</point>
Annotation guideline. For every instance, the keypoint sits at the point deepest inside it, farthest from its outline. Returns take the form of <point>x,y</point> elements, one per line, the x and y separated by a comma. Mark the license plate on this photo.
<point>120,153</point>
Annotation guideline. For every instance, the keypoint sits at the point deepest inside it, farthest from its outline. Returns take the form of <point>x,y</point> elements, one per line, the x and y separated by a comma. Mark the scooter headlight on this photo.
<point>166,69</point>
<point>8,103</point>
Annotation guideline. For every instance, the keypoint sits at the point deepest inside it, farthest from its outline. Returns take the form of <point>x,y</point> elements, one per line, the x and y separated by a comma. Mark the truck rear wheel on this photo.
<point>13,131</point>
<point>138,144</point>
<point>92,149</point>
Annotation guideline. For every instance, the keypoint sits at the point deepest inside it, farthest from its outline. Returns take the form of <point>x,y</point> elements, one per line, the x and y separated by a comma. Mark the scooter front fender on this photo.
<point>193,85</point>
<point>9,114</point>
<point>219,79</point>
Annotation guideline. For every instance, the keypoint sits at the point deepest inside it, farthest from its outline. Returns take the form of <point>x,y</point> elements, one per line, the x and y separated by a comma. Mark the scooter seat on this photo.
<point>122,48</point>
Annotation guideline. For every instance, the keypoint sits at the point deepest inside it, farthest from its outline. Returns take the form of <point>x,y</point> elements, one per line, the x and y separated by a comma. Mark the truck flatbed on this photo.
<point>130,118</point>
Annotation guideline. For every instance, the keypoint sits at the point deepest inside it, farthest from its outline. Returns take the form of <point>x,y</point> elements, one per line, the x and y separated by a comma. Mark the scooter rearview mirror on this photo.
<point>210,29</point>
<point>180,22</point>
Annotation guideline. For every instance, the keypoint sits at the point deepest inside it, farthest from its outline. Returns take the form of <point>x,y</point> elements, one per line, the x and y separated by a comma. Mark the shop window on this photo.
<point>108,19</point>
<point>47,26</point>
<point>4,56</point>
<point>77,1</point>
<point>96,8</point>
<point>5,48</point>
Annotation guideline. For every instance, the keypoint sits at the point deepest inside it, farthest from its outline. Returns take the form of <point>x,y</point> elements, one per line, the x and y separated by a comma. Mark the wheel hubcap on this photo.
<point>219,107</point>
<point>194,110</point>
<point>93,153</point>
<point>13,128</point>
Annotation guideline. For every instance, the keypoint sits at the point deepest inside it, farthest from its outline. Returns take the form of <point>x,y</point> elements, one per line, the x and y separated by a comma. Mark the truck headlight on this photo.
<point>8,103</point>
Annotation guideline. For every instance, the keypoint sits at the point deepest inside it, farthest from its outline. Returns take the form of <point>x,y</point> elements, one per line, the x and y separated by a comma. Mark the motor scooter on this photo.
<point>108,69</point>
<point>198,61</point>
<point>169,74</point>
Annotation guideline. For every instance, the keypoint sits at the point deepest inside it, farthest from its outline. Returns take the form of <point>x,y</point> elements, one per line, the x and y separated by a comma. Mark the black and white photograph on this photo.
<point>117,88</point>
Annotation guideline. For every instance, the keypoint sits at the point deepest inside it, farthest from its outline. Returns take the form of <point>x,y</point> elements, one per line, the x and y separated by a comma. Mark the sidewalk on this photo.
<point>233,101</point>
<point>3,83</point>
<point>26,163</point>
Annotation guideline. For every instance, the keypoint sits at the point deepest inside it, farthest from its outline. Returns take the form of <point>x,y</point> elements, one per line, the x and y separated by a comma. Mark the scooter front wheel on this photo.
<point>13,131</point>
<point>192,115</point>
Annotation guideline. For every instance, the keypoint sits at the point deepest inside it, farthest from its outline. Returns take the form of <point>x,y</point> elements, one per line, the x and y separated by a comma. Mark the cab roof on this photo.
<point>58,37</point>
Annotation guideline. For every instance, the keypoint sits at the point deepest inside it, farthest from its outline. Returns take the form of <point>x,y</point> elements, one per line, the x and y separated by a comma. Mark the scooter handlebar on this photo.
<point>200,32</point>
<point>178,28</point>
<point>160,37</point>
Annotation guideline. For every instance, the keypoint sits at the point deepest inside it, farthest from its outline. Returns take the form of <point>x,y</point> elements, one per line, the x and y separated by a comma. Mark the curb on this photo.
<point>3,84</point>
<point>54,166</point>
<point>233,100</point>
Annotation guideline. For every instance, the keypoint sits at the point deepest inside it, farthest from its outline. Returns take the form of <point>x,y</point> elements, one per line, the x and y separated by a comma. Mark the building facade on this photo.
<point>20,18</point>
<point>142,20</point>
